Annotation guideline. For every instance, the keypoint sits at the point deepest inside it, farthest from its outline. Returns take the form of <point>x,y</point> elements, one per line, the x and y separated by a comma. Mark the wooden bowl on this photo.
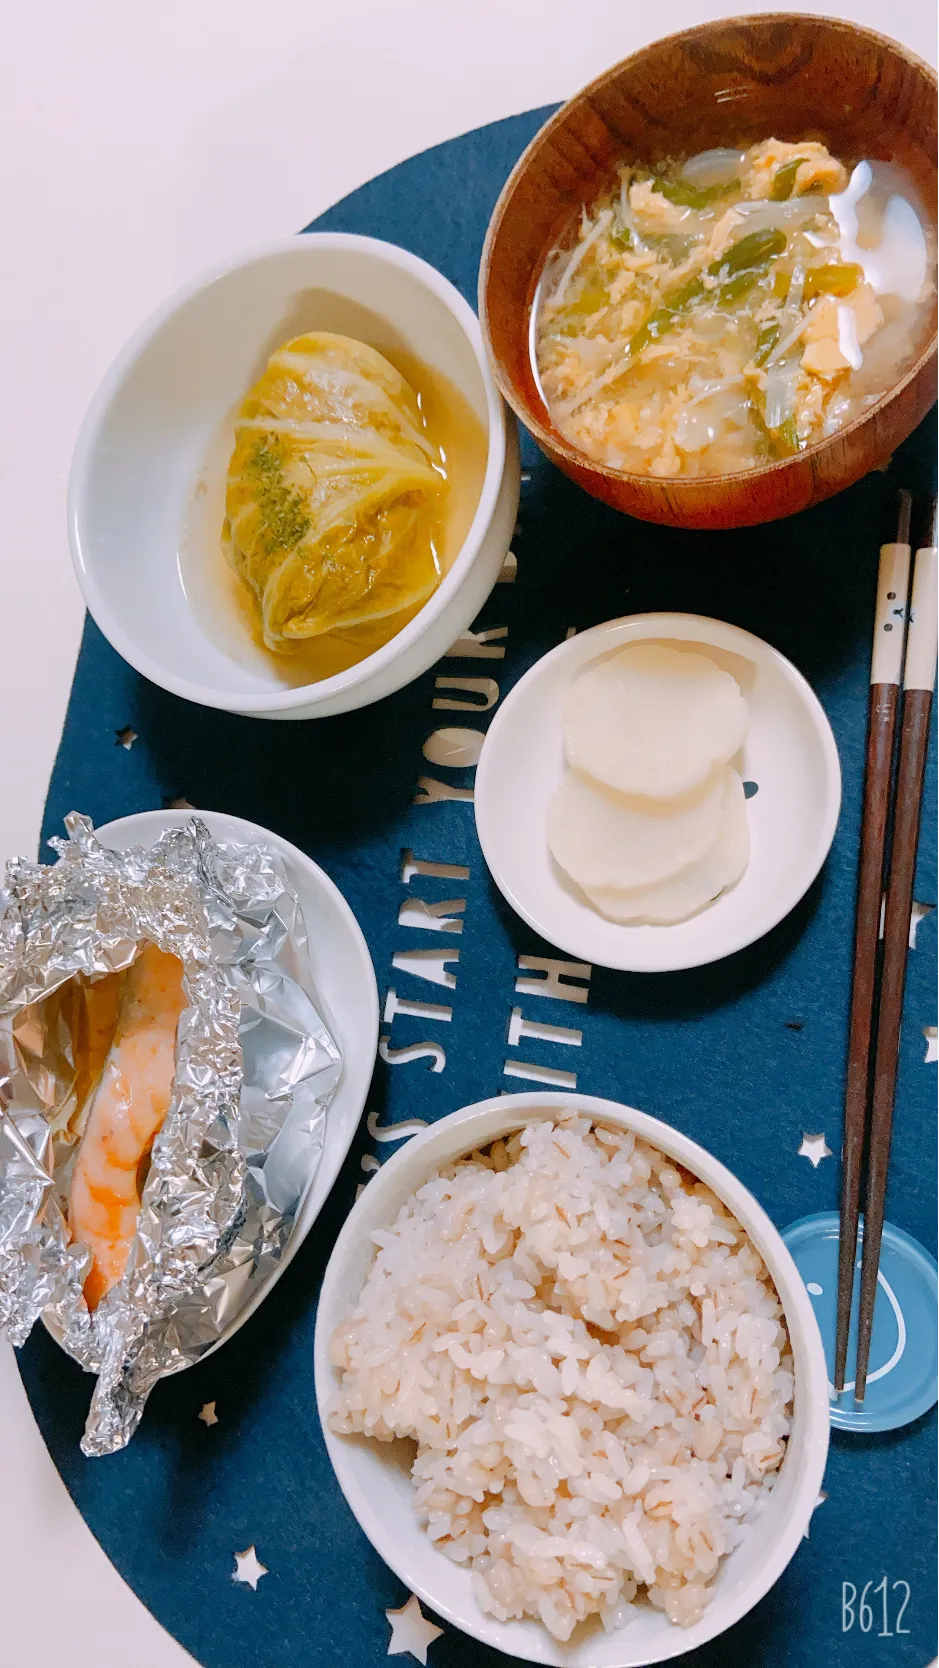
<point>738,81</point>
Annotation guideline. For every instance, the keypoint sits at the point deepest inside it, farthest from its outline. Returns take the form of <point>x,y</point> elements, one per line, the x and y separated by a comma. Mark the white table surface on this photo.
<point>141,143</point>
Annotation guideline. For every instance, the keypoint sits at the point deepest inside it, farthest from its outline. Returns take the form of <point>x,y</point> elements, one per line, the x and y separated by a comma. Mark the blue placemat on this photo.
<point>746,1055</point>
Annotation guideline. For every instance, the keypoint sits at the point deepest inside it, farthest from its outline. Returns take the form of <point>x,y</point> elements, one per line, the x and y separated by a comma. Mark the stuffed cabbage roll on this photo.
<point>334,492</point>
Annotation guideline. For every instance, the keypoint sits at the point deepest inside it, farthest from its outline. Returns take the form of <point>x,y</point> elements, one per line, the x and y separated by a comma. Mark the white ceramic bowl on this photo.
<point>146,436</point>
<point>343,982</point>
<point>374,1476</point>
<point>790,755</point>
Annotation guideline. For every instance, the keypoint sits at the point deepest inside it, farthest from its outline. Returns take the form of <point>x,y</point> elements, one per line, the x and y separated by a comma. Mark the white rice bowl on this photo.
<point>578,1352</point>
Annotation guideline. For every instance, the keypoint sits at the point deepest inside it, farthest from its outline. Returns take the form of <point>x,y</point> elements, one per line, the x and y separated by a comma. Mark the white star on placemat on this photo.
<point>819,1502</point>
<point>815,1148</point>
<point>931,1034</point>
<point>917,914</point>
<point>208,1414</point>
<point>248,1568</point>
<point>411,1631</point>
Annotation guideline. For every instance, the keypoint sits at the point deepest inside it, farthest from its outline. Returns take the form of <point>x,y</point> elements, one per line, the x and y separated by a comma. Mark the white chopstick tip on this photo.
<point>919,671</point>
<point>893,584</point>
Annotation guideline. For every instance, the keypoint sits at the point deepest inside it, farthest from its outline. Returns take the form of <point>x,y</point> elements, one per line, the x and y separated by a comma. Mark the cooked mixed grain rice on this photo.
<point>591,1357</point>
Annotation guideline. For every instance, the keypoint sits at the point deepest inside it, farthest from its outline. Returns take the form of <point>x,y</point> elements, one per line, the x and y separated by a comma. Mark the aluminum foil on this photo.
<point>257,1065</point>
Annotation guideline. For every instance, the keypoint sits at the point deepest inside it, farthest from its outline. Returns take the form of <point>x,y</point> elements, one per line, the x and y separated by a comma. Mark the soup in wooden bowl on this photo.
<point>708,287</point>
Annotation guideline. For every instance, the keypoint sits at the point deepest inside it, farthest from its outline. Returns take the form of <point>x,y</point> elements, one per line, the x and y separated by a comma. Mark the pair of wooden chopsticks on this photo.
<point>906,655</point>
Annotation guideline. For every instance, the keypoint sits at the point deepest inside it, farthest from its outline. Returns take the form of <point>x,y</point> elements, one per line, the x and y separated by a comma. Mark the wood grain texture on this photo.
<point>878,774</point>
<point>734,82</point>
<point>911,769</point>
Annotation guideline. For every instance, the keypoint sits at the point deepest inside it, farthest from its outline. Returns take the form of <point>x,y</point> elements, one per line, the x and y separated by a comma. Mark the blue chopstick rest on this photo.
<point>904,1362</point>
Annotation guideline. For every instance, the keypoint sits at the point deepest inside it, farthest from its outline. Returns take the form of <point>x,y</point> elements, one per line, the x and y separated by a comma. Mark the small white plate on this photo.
<point>344,982</point>
<point>790,756</point>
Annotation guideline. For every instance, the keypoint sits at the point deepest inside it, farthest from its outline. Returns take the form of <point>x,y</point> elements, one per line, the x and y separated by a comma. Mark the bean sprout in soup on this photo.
<point>724,311</point>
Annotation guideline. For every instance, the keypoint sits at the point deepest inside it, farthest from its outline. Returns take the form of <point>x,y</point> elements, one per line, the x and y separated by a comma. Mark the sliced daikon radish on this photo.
<point>604,838</point>
<point>653,720</point>
<point>688,891</point>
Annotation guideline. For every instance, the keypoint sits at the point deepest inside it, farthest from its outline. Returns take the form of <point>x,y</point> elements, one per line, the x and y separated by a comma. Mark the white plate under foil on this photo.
<point>789,764</point>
